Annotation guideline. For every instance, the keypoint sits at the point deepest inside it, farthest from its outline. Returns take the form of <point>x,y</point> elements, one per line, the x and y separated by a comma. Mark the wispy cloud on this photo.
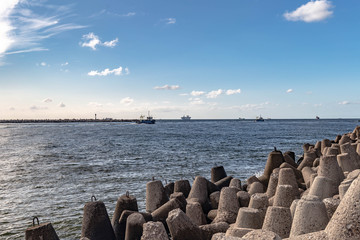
<point>95,104</point>
<point>62,105</point>
<point>170,20</point>
<point>313,11</point>
<point>35,108</point>
<point>290,90</point>
<point>22,30</point>
<point>348,103</point>
<point>104,11</point>
<point>196,101</point>
<point>91,40</point>
<point>47,100</point>
<point>116,71</point>
<point>64,64</point>
<point>167,87</point>
<point>215,93</point>
<point>127,101</point>
<point>251,107</point>
<point>197,93</point>
<point>233,91</point>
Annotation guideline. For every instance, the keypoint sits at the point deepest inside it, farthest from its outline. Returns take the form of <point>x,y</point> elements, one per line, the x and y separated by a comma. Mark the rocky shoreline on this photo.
<point>316,197</point>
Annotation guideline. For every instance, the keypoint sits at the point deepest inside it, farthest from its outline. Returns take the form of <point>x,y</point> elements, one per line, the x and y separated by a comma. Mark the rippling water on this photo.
<point>51,170</point>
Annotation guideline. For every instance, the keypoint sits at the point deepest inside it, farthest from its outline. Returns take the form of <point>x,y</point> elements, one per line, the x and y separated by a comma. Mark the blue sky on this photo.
<point>208,59</point>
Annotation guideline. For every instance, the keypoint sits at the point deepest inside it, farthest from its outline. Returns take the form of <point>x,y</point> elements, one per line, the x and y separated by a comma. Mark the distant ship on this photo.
<point>148,120</point>
<point>259,119</point>
<point>186,118</point>
<point>317,117</point>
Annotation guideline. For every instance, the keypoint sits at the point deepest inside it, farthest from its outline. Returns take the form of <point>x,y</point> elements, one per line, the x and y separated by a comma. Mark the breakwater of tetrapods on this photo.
<point>314,197</point>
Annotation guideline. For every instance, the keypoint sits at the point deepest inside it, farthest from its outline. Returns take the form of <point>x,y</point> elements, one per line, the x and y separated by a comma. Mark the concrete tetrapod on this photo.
<point>209,230</point>
<point>228,206</point>
<point>256,187</point>
<point>247,220</point>
<point>155,195</point>
<point>217,173</point>
<point>274,178</point>
<point>287,177</point>
<point>195,212</point>
<point>309,158</point>
<point>182,186</point>
<point>96,224</point>
<point>261,234</point>
<point>275,159</point>
<point>181,227</point>
<point>243,198</point>
<point>278,220</point>
<point>284,196</point>
<point>123,221</point>
<point>124,202</point>
<point>323,187</point>
<point>154,230</point>
<point>134,226</point>
<point>261,202</point>
<point>162,212</point>
<point>345,223</point>
<point>346,163</point>
<point>329,167</point>
<point>40,232</point>
<point>199,190</point>
<point>310,216</point>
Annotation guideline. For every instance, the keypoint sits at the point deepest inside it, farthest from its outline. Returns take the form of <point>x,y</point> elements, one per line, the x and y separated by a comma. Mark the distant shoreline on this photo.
<point>66,120</point>
<point>110,120</point>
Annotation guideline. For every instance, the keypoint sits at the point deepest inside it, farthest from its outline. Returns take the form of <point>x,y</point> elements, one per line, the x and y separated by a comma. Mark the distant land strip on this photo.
<point>66,120</point>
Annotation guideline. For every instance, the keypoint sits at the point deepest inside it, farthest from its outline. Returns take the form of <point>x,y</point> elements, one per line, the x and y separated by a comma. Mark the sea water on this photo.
<point>52,170</point>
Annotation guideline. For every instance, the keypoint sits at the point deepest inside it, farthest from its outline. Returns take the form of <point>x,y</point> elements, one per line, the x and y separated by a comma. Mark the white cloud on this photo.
<point>34,108</point>
<point>251,107</point>
<point>127,101</point>
<point>348,102</point>
<point>95,104</point>
<point>116,71</point>
<point>313,11</point>
<point>197,93</point>
<point>344,103</point>
<point>43,64</point>
<point>196,101</point>
<point>111,43</point>
<point>62,105</point>
<point>22,30</point>
<point>215,93</point>
<point>127,71</point>
<point>167,87</point>
<point>170,20</point>
<point>65,64</point>
<point>233,91</point>
<point>47,100</point>
<point>129,14</point>
<point>91,40</point>
<point>289,90</point>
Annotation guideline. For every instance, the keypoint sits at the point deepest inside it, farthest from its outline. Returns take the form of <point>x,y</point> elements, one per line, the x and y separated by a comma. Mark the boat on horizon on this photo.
<point>317,118</point>
<point>186,118</point>
<point>148,120</point>
<point>259,119</point>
